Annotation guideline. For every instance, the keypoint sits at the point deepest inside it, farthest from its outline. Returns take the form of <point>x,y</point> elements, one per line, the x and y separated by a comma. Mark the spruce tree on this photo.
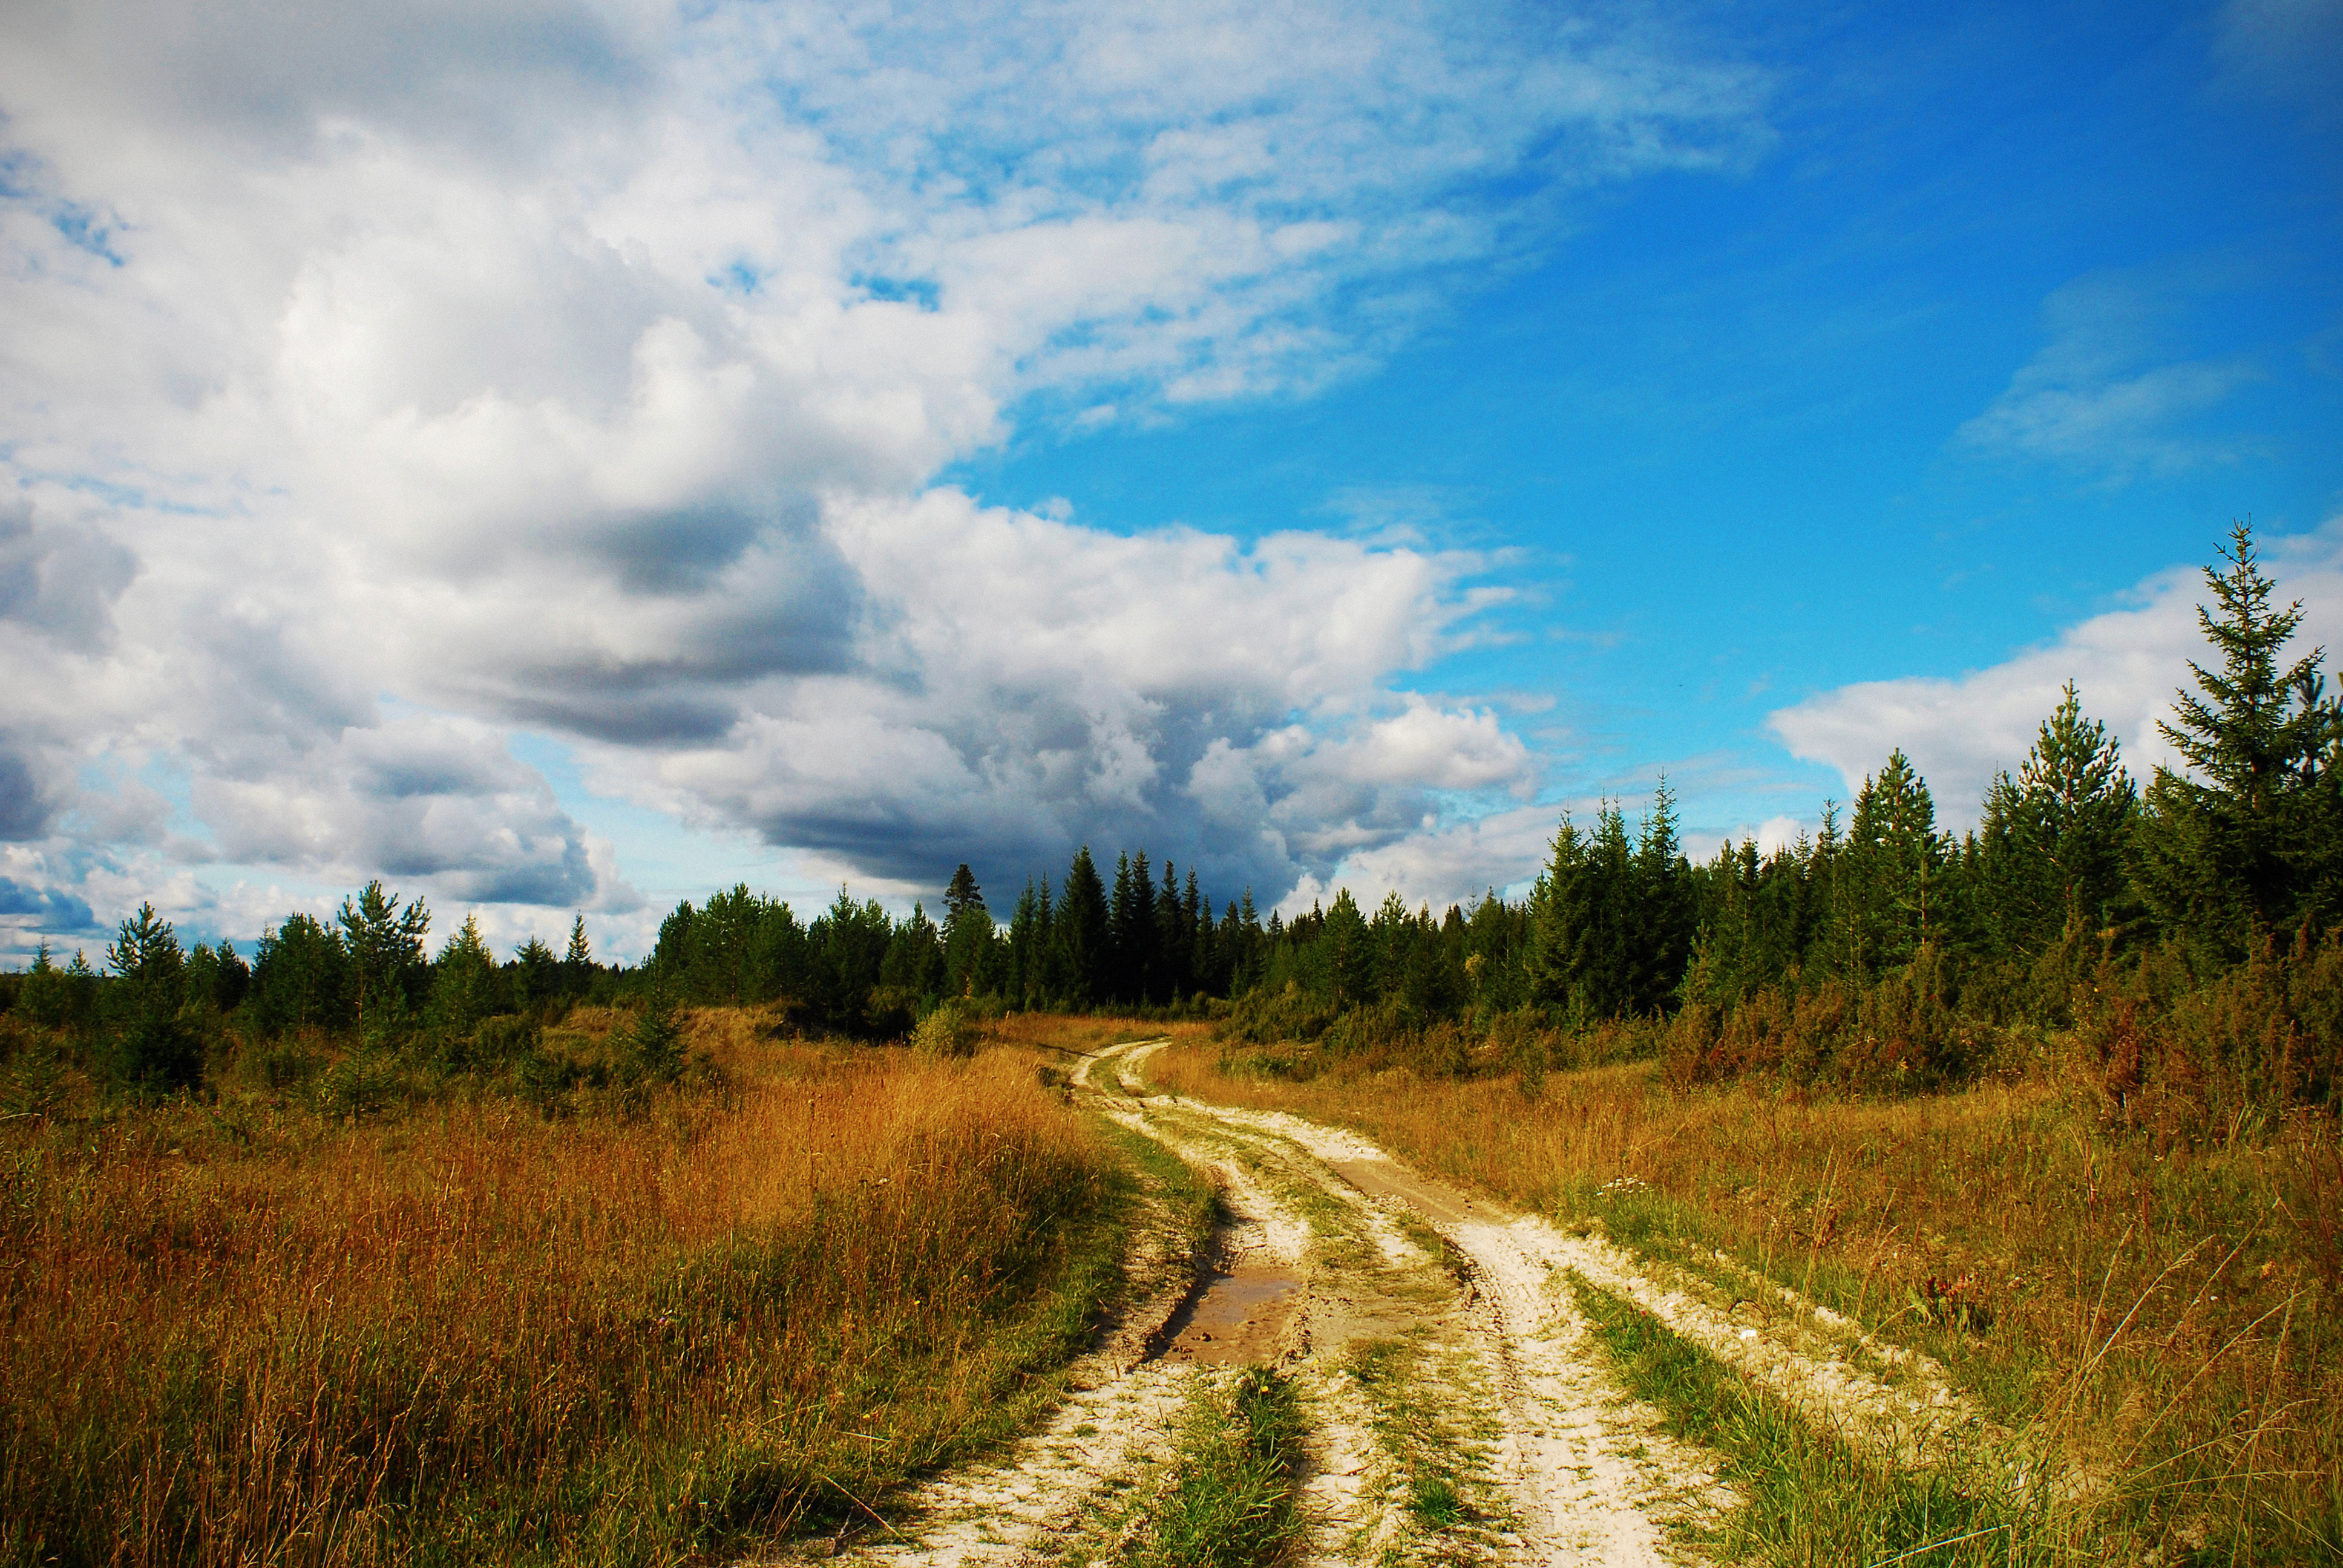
<point>536,973</point>
<point>1664,915</point>
<point>2052,845</point>
<point>577,959</point>
<point>1560,914</point>
<point>2250,838</point>
<point>152,1049</point>
<point>464,981</point>
<point>1345,952</point>
<point>1082,934</point>
<point>1897,892</point>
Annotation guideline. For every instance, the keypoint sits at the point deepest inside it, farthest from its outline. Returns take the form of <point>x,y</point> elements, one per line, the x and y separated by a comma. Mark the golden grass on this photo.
<point>1063,1035</point>
<point>467,1332</point>
<point>2169,1315</point>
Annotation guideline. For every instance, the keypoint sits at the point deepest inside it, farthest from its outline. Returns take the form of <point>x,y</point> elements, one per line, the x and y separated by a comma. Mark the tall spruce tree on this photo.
<point>1346,952</point>
<point>2248,840</point>
<point>1663,914</point>
<point>151,1048</point>
<point>463,982</point>
<point>1082,934</point>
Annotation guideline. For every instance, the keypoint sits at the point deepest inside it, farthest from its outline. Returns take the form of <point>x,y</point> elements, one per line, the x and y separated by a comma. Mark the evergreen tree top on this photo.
<point>963,895</point>
<point>466,942</point>
<point>2256,730</point>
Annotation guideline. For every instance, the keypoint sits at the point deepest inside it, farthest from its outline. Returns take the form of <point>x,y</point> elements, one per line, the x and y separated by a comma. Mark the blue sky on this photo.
<point>571,456</point>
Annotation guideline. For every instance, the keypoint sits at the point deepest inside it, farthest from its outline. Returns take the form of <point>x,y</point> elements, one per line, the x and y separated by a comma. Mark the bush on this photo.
<point>655,1046</point>
<point>152,1052</point>
<point>2161,1050</point>
<point>1899,1035</point>
<point>949,1029</point>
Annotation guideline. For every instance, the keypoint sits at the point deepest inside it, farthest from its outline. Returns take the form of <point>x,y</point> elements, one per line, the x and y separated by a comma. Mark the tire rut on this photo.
<point>1501,1439</point>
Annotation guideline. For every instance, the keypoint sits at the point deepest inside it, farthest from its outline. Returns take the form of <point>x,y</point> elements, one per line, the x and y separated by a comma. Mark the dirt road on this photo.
<point>1457,1408</point>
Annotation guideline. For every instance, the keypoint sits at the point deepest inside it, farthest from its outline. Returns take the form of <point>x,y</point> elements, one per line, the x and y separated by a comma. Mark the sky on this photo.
<point>567,457</point>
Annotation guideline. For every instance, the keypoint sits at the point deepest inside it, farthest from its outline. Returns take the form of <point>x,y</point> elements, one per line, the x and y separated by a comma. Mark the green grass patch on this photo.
<point>1231,1503</point>
<point>1807,1496</point>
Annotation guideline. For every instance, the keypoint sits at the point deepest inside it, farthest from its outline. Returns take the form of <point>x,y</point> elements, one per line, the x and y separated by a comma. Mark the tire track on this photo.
<point>1320,1261</point>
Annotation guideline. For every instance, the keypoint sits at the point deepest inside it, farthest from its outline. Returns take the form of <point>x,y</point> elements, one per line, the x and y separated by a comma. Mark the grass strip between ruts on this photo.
<point>1232,1501</point>
<point>1805,1495</point>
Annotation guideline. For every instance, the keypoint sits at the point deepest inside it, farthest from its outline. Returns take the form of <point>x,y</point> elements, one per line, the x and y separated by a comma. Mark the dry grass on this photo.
<point>634,1332</point>
<point>1062,1035</point>
<point>2169,1315</point>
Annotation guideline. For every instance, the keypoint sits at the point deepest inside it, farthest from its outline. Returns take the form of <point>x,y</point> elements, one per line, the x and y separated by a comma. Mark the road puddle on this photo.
<point>1241,1318</point>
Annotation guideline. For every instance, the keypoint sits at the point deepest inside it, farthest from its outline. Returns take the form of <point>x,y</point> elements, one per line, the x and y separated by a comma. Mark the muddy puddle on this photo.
<point>1241,1318</point>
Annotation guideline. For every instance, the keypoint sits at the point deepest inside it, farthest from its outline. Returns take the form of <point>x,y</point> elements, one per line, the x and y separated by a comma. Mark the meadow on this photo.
<point>633,1324</point>
<point>2162,1318</point>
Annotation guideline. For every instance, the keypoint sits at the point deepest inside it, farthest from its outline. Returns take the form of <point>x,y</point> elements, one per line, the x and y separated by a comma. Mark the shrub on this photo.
<point>949,1029</point>
<point>655,1046</point>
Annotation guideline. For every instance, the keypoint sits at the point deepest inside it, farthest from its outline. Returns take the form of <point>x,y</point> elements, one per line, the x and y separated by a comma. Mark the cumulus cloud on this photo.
<point>1444,863</point>
<point>1028,684</point>
<point>2102,393</point>
<point>2125,664</point>
<point>383,378</point>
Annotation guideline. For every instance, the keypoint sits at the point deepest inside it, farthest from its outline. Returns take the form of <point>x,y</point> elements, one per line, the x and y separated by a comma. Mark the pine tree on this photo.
<point>963,894</point>
<point>385,943</point>
<point>970,938</point>
<point>2252,841</point>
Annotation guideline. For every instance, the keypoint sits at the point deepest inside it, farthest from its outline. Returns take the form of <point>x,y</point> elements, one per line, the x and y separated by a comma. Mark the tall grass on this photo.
<point>2168,1313</point>
<point>636,1332</point>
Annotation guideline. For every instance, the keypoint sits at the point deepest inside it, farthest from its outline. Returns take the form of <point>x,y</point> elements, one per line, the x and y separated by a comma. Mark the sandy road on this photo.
<point>1458,1410</point>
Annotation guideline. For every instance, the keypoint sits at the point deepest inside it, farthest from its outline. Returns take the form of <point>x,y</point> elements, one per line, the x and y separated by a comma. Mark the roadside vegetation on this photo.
<point>2163,1318</point>
<point>452,1320</point>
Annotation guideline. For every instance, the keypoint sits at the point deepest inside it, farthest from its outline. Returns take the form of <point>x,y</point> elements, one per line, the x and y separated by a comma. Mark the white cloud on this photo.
<point>2103,392</point>
<point>2125,664</point>
<point>378,378</point>
<point>1442,864</point>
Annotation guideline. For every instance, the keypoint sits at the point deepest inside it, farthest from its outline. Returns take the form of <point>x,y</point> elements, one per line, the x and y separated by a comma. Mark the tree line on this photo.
<point>2076,876</point>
